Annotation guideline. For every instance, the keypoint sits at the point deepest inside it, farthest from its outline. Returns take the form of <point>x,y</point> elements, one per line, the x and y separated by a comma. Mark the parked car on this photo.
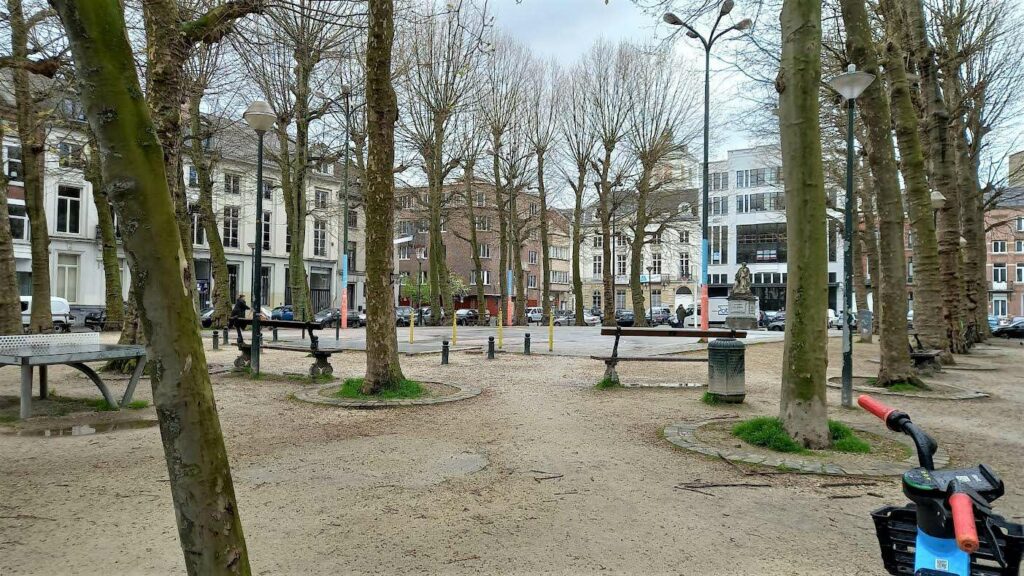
<point>591,319</point>
<point>327,316</point>
<point>1013,330</point>
<point>96,320</point>
<point>563,318</point>
<point>206,317</point>
<point>402,315</point>
<point>833,319</point>
<point>659,315</point>
<point>426,313</point>
<point>993,322</point>
<point>624,317</point>
<point>266,313</point>
<point>535,314</point>
<point>355,319</point>
<point>469,317</point>
<point>778,324</point>
<point>596,311</point>
<point>285,312</point>
<point>60,311</point>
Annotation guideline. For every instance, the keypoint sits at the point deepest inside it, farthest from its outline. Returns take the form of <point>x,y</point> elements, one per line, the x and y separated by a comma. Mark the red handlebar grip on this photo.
<point>963,522</point>
<point>874,406</point>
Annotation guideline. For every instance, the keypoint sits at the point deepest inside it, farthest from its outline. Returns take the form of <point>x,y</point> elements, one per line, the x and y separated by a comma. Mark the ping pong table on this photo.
<point>74,350</point>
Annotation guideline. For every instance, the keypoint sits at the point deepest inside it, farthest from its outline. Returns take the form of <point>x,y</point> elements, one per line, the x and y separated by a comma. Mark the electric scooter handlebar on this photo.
<point>875,407</point>
<point>964,527</point>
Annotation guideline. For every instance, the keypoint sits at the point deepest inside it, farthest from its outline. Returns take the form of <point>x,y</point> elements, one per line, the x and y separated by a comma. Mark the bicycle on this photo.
<point>949,528</point>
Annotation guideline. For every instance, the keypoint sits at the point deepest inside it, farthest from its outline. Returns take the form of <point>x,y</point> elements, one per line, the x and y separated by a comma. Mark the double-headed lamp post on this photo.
<point>650,292</point>
<point>708,42</point>
<point>260,117</point>
<point>346,94</point>
<point>849,85</point>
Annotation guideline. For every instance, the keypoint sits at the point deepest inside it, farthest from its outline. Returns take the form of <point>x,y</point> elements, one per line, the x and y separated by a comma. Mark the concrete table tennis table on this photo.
<point>74,350</point>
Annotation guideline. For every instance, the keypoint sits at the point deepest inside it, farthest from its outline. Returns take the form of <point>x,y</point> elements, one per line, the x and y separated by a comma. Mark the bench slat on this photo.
<point>648,359</point>
<point>677,332</point>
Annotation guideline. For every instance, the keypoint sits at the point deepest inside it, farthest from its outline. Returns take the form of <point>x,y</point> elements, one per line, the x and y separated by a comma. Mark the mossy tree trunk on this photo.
<point>545,242</point>
<point>605,211</point>
<point>114,294</point>
<point>134,174</point>
<point>469,170</point>
<point>862,239</point>
<point>889,281</point>
<point>503,232</point>
<point>10,302</point>
<point>32,136</point>
<point>802,407</point>
<point>383,370</point>
<point>577,241</point>
<point>636,244</point>
<point>975,294</point>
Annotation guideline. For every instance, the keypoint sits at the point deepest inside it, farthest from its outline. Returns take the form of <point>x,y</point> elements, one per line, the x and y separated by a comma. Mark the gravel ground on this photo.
<point>541,473</point>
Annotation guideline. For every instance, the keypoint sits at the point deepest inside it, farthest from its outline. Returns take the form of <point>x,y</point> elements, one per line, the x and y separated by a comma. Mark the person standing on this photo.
<point>238,312</point>
<point>680,315</point>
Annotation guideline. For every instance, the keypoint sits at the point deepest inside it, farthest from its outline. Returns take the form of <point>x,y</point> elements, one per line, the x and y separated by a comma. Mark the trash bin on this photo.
<point>726,365</point>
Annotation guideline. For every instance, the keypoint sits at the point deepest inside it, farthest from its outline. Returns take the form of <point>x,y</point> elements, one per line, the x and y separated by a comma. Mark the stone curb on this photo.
<point>312,394</point>
<point>683,435</point>
<point>963,394</point>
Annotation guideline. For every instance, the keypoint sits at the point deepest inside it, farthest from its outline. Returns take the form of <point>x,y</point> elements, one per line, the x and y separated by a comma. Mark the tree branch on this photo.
<point>211,27</point>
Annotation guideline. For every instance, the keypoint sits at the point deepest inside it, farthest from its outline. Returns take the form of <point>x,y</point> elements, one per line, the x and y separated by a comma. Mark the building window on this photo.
<point>403,252</point>
<point>559,252</point>
<point>484,250</point>
<point>421,253</point>
<point>684,236</point>
<point>268,189</point>
<point>232,184</point>
<point>19,221</point>
<point>999,246</point>
<point>656,238</point>
<point>193,177</point>
<point>69,155</point>
<point>266,229</point>
<point>69,207</point>
<point>480,200</point>
<point>719,205</point>
<point>532,257</point>
<point>758,177</point>
<point>833,240</point>
<point>13,167</point>
<point>719,244</point>
<point>655,298</point>
<point>353,218</point>
<point>999,273</point>
<point>351,251</point>
<point>559,277</point>
<point>718,181</point>
<point>483,223</point>
<point>404,202</point>
<point>534,209</point>
<point>198,232</point>
<point>910,270</point>
<point>320,238</point>
<point>761,243</point>
<point>656,263</point>
<point>485,274</point>
<point>231,226</point>
<point>760,202</point>
<point>320,198</point>
<point>67,277</point>
<point>999,307</point>
<point>595,299</point>
<point>531,280</point>
<point>598,269</point>
<point>620,299</point>
<point>620,264</point>
<point>287,242</point>
<point>1020,273</point>
<point>405,227</point>
<point>422,226</point>
<point>1019,246</point>
<point>1020,221</point>
<point>598,241</point>
<point>684,264</point>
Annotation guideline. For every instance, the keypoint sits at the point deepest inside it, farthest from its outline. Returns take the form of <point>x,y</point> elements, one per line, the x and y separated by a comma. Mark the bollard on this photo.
<point>274,334</point>
<point>216,340</point>
<point>526,344</point>
<point>455,329</point>
<point>726,363</point>
<point>444,352</point>
<point>490,347</point>
<point>500,324</point>
<point>551,332</point>
<point>224,340</point>
<point>412,323</point>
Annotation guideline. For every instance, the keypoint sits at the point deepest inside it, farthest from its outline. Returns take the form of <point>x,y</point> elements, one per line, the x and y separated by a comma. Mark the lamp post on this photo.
<point>650,293</point>
<point>707,42</point>
<point>938,201</point>
<point>849,85</point>
<point>346,93</point>
<point>419,283</point>
<point>260,117</point>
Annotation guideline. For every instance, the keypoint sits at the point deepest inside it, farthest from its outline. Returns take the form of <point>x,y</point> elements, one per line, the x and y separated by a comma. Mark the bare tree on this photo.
<point>10,303</point>
<point>542,121</point>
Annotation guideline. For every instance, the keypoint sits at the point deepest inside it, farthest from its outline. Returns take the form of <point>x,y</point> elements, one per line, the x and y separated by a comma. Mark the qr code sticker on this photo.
<point>941,564</point>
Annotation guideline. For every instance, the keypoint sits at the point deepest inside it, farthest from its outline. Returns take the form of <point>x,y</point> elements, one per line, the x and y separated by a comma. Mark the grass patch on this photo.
<point>767,432</point>
<point>138,404</point>
<point>711,399</point>
<point>406,389</point>
<point>100,405</point>
<point>608,383</point>
<point>905,387</point>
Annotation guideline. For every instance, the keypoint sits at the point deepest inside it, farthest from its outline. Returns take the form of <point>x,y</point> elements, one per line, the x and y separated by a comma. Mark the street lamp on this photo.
<point>346,93</point>
<point>708,42</point>
<point>419,282</point>
<point>938,201</point>
<point>849,85</point>
<point>260,117</point>
<point>650,293</point>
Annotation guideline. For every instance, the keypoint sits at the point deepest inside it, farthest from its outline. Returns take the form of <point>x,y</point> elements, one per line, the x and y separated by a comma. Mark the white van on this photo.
<point>59,308</point>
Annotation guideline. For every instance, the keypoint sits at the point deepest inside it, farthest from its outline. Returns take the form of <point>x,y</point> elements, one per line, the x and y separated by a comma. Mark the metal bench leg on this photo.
<point>140,367</point>
<point>321,365</point>
<point>43,385</point>
<point>244,358</point>
<point>84,369</point>
<point>609,371</point>
<point>26,391</point>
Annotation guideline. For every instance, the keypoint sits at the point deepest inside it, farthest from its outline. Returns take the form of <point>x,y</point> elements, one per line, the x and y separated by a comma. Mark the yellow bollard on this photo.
<point>551,332</point>
<point>412,323</point>
<point>500,324</point>
<point>455,328</point>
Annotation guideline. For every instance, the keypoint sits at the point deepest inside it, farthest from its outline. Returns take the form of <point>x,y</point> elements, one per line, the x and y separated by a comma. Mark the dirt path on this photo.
<point>539,474</point>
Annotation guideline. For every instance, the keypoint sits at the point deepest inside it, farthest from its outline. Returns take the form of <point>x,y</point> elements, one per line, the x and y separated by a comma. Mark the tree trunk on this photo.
<point>10,302</point>
<point>474,244</point>
<point>33,151</point>
<point>197,462</point>
<point>871,245</point>
<point>382,368</point>
<point>545,242</point>
<point>108,237</point>
<point>805,358</point>
<point>605,207</point>
<point>295,219</point>
<point>577,240</point>
<point>890,282</point>
<point>863,237</point>
<point>975,306</point>
<point>503,235</point>
<point>438,265</point>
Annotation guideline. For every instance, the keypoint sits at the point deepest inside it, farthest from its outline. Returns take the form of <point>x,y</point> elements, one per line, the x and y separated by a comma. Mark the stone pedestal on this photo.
<point>742,312</point>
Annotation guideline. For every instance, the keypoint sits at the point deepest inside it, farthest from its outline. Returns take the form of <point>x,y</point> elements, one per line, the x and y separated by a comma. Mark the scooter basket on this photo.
<point>896,529</point>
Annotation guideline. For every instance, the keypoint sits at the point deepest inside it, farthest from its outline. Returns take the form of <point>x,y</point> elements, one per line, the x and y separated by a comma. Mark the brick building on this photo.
<point>1005,241</point>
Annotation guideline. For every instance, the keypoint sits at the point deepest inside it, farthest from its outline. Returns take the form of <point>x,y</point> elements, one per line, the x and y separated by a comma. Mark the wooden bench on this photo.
<point>321,364</point>
<point>74,350</point>
<point>611,361</point>
<point>926,360</point>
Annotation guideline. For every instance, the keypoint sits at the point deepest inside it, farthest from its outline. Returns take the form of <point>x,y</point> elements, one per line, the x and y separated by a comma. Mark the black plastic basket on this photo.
<point>897,532</point>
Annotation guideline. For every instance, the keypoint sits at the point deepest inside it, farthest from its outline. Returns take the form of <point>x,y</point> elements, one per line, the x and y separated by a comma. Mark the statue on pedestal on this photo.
<point>742,302</point>
<point>741,287</point>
